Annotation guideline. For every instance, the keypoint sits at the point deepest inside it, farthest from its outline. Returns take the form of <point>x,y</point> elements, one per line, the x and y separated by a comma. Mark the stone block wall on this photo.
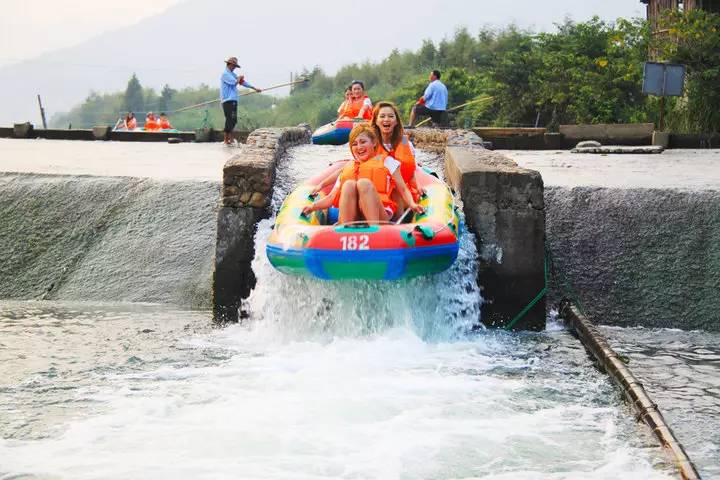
<point>246,193</point>
<point>504,206</point>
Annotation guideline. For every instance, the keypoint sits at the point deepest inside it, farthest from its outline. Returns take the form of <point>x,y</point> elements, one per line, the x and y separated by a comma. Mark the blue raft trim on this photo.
<point>396,259</point>
<point>338,136</point>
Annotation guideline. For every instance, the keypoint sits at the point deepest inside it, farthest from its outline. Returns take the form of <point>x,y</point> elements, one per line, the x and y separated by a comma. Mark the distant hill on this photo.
<point>186,45</point>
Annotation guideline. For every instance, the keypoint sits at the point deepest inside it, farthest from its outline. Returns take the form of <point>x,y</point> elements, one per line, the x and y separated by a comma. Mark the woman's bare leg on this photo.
<point>369,202</point>
<point>348,202</point>
<point>399,201</point>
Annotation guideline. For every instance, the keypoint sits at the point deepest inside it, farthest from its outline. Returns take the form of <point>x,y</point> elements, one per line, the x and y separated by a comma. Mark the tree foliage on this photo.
<point>588,72</point>
<point>134,100</point>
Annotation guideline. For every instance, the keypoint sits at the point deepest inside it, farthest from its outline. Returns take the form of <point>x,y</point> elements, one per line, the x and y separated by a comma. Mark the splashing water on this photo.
<point>327,380</point>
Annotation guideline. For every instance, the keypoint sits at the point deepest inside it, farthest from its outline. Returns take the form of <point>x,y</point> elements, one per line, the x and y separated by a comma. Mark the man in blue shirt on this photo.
<point>229,95</point>
<point>433,103</point>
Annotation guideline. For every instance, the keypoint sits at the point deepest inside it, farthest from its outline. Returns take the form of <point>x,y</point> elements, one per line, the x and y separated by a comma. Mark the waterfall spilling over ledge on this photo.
<point>73,237</point>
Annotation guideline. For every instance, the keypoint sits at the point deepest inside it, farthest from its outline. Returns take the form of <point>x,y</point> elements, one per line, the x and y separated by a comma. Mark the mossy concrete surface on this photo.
<point>106,239</point>
<point>637,257</point>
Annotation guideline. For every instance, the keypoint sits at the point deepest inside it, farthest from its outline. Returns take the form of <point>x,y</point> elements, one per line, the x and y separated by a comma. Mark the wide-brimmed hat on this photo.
<point>232,61</point>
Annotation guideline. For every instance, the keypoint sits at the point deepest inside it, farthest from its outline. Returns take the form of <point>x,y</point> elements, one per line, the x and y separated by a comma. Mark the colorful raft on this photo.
<point>307,245</point>
<point>333,133</point>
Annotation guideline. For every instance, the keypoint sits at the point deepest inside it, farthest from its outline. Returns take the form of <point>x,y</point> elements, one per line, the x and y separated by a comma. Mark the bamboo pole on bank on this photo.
<point>632,390</point>
<point>209,102</point>
<point>477,100</point>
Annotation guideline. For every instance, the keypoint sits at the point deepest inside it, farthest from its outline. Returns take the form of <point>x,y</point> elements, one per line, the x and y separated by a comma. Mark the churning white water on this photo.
<point>324,380</point>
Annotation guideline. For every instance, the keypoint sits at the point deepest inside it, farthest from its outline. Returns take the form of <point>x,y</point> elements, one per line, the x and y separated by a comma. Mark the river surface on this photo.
<point>328,380</point>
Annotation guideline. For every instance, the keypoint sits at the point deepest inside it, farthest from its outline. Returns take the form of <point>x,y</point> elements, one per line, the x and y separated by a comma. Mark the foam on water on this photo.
<point>384,405</point>
<point>326,380</point>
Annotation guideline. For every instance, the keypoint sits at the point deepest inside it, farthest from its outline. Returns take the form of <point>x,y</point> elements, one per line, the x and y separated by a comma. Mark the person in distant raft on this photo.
<point>434,101</point>
<point>229,95</point>
<point>346,102</point>
<point>164,122</point>
<point>359,106</point>
<point>151,123</point>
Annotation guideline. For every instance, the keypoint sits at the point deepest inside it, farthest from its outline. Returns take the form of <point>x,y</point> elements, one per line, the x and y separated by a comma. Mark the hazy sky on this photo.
<point>31,27</point>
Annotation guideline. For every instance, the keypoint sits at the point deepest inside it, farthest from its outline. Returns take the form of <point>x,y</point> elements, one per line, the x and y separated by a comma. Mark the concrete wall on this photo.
<point>503,205</point>
<point>608,134</point>
<point>27,130</point>
<point>647,257</point>
<point>247,190</point>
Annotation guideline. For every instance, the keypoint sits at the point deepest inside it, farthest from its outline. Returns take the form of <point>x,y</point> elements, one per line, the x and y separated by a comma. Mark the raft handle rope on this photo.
<point>534,301</point>
<point>561,282</point>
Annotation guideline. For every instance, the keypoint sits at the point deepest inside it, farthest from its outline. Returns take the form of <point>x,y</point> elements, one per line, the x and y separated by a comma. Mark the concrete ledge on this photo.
<point>661,139</point>
<point>23,130</point>
<point>609,134</point>
<point>619,149</point>
<point>101,132</point>
<point>247,190</point>
<point>504,206</point>
<point>61,134</point>
<point>694,140</point>
<point>150,136</point>
<point>493,132</point>
<point>436,140</point>
<point>105,133</point>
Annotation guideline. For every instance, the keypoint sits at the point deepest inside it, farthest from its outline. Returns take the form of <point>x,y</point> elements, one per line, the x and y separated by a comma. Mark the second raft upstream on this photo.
<point>307,245</point>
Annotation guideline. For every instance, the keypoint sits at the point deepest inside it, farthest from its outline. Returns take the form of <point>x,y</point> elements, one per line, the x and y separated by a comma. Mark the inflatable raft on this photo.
<point>334,133</point>
<point>309,245</point>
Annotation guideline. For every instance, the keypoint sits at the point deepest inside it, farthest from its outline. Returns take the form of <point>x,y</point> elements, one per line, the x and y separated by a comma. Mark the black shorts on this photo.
<point>436,115</point>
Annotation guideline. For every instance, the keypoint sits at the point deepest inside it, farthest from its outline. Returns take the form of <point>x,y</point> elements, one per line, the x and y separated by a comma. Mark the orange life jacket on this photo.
<point>151,124</point>
<point>165,124</point>
<point>373,170</point>
<point>403,154</point>
<point>353,107</point>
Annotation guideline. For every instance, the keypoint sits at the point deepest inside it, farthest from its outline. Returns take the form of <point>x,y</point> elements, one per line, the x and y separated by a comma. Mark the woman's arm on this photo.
<point>326,181</point>
<point>323,203</point>
<point>367,105</point>
<point>406,195</point>
<point>414,182</point>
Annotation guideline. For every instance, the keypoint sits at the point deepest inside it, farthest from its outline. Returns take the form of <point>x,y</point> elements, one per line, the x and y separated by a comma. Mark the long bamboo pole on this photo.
<point>632,390</point>
<point>477,100</point>
<point>209,102</point>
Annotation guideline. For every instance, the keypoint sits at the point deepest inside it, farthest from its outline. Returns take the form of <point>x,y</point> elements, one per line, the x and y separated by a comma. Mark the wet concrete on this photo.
<point>677,169</point>
<point>635,239</point>
<point>185,161</point>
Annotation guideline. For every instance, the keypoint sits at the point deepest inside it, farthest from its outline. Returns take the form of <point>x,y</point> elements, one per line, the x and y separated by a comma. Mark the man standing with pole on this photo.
<point>229,96</point>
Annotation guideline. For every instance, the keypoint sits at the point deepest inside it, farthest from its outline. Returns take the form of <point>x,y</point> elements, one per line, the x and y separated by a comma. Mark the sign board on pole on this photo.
<point>663,79</point>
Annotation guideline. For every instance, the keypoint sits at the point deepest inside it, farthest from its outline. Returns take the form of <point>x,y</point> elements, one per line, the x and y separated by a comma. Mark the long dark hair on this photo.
<point>398,131</point>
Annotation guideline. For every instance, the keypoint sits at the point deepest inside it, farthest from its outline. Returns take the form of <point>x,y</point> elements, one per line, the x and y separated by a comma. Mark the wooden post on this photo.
<point>661,123</point>
<point>42,112</point>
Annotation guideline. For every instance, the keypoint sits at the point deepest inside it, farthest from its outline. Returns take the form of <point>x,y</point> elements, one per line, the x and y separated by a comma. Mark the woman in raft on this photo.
<point>359,105</point>
<point>346,102</point>
<point>164,122</point>
<point>394,142</point>
<point>151,123</point>
<point>364,188</point>
<point>127,123</point>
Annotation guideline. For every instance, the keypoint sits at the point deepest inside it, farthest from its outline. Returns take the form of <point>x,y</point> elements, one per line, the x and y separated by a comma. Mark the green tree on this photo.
<point>693,39</point>
<point>166,96</point>
<point>134,101</point>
